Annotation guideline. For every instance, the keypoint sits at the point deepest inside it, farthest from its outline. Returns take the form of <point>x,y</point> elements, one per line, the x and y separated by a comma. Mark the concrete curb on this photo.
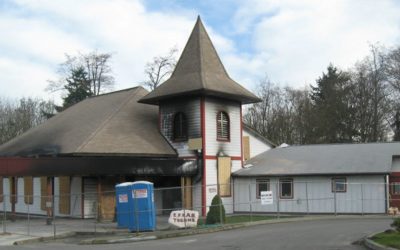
<point>46,238</point>
<point>115,241</point>
<point>370,244</point>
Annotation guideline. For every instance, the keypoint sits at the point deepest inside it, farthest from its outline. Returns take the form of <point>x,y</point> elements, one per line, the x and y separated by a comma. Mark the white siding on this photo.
<point>214,147</point>
<point>35,207</point>
<point>197,191</point>
<point>212,183</point>
<point>257,146</point>
<point>365,194</point>
<point>211,178</point>
<point>21,206</point>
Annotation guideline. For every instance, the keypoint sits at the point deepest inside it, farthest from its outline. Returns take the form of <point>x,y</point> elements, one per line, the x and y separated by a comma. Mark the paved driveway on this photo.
<point>319,234</point>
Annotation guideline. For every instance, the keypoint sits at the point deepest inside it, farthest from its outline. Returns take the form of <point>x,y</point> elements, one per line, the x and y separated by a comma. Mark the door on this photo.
<point>394,190</point>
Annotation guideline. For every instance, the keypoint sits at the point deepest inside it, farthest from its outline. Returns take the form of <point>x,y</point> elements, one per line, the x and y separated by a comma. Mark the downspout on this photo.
<point>387,203</point>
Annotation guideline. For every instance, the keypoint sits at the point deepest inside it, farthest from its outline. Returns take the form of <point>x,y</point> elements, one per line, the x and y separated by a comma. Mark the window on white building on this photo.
<point>261,185</point>
<point>180,127</point>
<point>286,188</point>
<point>223,133</point>
<point>339,185</point>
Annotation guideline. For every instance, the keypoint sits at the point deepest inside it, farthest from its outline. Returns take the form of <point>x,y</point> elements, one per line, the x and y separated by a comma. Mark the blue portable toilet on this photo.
<point>124,204</point>
<point>143,217</point>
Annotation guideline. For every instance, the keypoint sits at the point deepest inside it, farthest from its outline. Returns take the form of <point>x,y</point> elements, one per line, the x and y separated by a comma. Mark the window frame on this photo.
<point>286,180</point>
<point>184,127</point>
<point>228,127</point>
<point>262,181</point>
<point>392,188</point>
<point>334,186</point>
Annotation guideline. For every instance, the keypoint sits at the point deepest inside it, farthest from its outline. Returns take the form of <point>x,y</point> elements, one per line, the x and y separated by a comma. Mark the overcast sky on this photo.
<point>292,41</point>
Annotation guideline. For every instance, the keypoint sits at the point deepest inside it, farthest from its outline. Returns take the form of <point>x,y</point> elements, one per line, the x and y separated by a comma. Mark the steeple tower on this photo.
<point>200,114</point>
<point>200,72</point>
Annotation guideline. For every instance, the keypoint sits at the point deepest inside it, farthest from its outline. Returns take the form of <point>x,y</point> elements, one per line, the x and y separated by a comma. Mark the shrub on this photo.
<point>396,224</point>
<point>216,212</point>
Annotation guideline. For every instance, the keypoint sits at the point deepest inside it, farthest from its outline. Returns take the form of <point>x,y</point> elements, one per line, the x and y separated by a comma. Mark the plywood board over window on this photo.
<point>246,147</point>
<point>1,189</point>
<point>224,176</point>
<point>28,189</point>
<point>65,194</point>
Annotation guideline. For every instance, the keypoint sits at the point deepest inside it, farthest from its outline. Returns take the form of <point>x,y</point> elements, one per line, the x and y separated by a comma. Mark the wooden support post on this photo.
<point>186,184</point>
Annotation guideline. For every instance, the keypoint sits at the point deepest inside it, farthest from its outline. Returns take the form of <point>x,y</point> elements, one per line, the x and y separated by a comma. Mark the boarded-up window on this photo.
<point>43,192</point>
<point>65,194</point>
<point>28,190</point>
<point>224,176</point>
<point>246,147</point>
<point>223,133</point>
<point>13,189</point>
<point>1,189</point>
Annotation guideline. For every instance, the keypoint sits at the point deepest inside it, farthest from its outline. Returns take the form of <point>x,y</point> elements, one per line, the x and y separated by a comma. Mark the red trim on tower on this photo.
<point>241,135</point>
<point>203,135</point>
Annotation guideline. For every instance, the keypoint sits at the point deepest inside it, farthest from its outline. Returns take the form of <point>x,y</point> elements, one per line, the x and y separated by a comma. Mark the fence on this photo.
<point>93,212</point>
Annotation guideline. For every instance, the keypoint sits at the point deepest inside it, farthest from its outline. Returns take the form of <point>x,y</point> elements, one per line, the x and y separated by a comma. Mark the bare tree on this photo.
<point>392,67</point>
<point>99,71</point>
<point>159,69</point>
<point>16,117</point>
<point>283,115</point>
<point>97,68</point>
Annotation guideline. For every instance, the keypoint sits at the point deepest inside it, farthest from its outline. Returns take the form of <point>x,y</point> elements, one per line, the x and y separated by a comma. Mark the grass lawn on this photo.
<point>390,239</point>
<point>242,218</point>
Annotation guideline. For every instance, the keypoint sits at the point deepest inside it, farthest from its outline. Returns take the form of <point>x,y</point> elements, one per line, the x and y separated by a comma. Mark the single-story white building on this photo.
<point>335,178</point>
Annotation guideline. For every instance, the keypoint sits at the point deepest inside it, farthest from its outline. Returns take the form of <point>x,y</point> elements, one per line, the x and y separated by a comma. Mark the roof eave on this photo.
<point>243,99</point>
<point>308,174</point>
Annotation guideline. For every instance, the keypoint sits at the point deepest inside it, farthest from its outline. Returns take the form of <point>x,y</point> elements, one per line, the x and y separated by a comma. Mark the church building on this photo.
<point>186,133</point>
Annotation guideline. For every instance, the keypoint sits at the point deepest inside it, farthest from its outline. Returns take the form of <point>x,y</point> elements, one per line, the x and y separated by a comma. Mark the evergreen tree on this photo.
<point>332,107</point>
<point>78,87</point>
<point>216,214</point>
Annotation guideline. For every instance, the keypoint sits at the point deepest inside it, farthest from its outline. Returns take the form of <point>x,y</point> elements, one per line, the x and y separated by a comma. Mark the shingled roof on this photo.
<point>323,159</point>
<point>200,71</point>
<point>109,124</point>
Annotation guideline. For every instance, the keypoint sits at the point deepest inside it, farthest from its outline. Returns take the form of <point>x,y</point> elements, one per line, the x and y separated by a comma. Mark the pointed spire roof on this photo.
<point>200,72</point>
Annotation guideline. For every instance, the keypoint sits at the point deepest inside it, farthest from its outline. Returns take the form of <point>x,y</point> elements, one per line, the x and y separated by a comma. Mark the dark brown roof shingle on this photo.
<point>200,71</point>
<point>110,124</point>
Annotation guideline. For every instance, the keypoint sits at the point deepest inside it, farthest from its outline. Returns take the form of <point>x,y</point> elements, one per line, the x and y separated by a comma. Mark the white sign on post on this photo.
<point>183,218</point>
<point>266,198</point>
